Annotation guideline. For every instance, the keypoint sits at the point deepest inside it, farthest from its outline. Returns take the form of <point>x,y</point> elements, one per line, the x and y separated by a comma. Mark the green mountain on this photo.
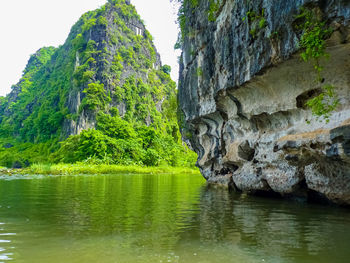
<point>103,96</point>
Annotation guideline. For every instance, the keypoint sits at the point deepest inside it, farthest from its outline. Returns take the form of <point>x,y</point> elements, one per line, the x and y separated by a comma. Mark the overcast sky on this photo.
<point>27,25</point>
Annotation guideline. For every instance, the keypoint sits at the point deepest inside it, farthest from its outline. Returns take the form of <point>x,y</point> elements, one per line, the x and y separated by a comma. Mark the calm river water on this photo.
<point>161,218</point>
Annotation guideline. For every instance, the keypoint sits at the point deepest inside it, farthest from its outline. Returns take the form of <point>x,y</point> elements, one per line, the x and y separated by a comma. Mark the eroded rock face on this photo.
<point>101,36</point>
<point>245,110</point>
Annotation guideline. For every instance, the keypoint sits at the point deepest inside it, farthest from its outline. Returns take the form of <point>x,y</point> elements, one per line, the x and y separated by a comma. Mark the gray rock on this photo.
<point>246,110</point>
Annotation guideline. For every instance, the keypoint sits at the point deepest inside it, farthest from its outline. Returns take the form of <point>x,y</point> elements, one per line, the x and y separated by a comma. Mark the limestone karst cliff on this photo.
<point>242,91</point>
<point>103,95</point>
<point>105,50</point>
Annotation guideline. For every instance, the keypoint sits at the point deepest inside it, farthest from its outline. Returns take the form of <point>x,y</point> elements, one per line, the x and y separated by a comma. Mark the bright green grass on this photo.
<point>71,169</point>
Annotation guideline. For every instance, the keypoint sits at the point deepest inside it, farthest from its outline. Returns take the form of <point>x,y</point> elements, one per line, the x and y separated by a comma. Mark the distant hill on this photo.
<point>103,96</point>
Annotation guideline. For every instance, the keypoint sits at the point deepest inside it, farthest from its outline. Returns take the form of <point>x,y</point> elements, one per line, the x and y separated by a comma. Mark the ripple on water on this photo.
<point>6,256</point>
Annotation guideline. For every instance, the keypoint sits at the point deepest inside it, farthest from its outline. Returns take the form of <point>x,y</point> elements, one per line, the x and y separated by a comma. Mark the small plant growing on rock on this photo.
<point>313,43</point>
<point>190,5</point>
<point>275,35</point>
<point>199,72</point>
<point>256,21</point>
<point>313,38</point>
<point>214,7</point>
<point>324,104</point>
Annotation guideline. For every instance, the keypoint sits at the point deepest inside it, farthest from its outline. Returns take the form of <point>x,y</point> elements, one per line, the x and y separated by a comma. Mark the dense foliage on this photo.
<point>105,88</point>
<point>116,141</point>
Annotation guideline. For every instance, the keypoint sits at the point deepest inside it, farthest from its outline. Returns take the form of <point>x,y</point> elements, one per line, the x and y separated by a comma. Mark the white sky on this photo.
<point>27,25</point>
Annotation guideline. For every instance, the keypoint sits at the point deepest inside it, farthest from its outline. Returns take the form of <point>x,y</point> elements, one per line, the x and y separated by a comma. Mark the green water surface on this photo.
<point>161,218</point>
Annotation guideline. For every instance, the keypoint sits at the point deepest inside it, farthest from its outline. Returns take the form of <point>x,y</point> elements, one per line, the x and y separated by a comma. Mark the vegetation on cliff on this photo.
<point>185,5</point>
<point>102,95</point>
<point>313,31</point>
<point>313,44</point>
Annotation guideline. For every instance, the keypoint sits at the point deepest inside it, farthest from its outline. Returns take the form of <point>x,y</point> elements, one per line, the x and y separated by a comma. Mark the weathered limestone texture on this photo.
<point>101,36</point>
<point>242,98</point>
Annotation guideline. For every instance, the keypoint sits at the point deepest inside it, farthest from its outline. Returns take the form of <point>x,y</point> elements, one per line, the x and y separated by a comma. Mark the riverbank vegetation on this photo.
<point>83,168</point>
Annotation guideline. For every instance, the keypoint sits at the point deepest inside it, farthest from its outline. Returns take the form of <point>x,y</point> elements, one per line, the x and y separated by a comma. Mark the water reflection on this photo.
<point>280,230</point>
<point>5,254</point>
<point>149,218</point>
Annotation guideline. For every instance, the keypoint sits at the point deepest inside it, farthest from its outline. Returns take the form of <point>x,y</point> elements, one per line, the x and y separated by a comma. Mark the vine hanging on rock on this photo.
<point>312,41</point>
